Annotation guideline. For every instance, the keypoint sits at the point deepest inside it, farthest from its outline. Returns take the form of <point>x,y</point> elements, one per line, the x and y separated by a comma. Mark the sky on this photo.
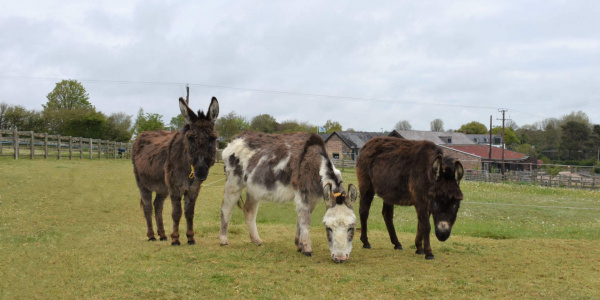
<point>364,64</point>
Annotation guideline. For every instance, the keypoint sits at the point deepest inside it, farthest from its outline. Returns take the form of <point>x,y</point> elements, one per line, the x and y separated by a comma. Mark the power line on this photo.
<point>252,90</point>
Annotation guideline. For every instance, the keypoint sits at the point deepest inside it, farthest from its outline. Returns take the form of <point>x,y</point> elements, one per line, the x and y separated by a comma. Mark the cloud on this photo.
<point>459,61</point>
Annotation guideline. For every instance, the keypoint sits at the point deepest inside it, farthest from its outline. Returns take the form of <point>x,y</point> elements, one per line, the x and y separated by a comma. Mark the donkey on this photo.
<point>288,167</point>
<point>175,164</point>
<point>409,173</point>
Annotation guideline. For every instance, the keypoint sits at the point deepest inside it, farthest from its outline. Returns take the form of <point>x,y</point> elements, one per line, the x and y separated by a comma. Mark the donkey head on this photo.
<point>340,221</point>
<point>200,138</point>
<point>446,195</point>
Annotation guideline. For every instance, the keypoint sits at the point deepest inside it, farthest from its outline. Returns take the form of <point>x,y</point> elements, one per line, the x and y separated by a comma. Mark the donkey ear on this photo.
<point>459,171</point>
<point>213,109</point>
<point>352,195</point>
<point>328,195</point>
<point>188,114</point>
<point>436,167</point>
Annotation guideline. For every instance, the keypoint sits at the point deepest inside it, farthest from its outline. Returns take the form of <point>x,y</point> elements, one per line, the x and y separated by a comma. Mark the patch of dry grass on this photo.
<point>74,229</point>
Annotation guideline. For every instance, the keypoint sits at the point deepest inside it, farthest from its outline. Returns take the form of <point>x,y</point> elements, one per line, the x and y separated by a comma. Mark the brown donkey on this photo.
<point>175,164</point>
<point>409,173</point>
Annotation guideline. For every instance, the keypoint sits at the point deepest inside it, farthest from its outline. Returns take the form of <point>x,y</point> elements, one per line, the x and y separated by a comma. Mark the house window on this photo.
<point>475,140</point>
<point>497,141</point>
<point>336,156</point>
<point>449,140</point>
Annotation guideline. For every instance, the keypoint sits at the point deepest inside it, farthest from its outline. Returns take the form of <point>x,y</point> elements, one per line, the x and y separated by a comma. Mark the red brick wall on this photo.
<point>468,161</point>
<point>335,145</point>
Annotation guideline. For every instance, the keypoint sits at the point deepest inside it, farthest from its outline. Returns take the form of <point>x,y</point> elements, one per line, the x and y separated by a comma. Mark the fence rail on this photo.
<point>30,144</point>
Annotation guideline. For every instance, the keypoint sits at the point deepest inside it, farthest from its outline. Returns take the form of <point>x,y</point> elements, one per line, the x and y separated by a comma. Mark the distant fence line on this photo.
<point>571,176</point>
<point>30,144</point>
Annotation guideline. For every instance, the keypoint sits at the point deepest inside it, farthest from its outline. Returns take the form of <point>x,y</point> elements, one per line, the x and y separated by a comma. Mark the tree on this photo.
<point>230,124</point>
<point>3,109</point>
<point>295,126</point>
<point>331,126</point>
<point>264,123</point>
<point>118,127</point>
<point>574,136</point>
<point>511,124</point>
<point>177,122</point>
<point>17,116</point>
<point>510,137</point>
<point>473,128</point>
<point>403,125</point>
<point>579,117</point>
<point>437,125</point>
<point>148,121</point>
<point>67,94</point>
<point>84,122</point>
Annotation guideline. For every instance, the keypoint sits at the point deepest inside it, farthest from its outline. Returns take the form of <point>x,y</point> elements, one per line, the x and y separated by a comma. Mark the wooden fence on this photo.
<point>30,144</point>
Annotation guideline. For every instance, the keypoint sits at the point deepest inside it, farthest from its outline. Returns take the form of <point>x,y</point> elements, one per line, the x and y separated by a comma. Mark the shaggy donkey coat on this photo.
<point>175,164</point>
<point>409,173</point>
<point>288,167</point>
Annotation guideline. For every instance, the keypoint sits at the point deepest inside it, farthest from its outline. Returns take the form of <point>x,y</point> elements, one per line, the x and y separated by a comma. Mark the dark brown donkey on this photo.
<point>175,164</point>
<point>409,173</point>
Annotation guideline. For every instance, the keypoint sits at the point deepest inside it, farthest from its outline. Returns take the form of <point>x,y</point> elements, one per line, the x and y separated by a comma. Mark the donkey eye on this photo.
<point>329,229</point>
<point>350,230</point>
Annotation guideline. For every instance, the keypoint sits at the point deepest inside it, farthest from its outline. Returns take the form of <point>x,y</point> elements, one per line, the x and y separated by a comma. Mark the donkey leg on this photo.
<point>146,204</point>
<point>388,217</point>
<point>250,211</point>
<point>176,215</point>
<point>423,230</point>
<point>159,202</point>
<point>366,199</point>
<point>231,197</point>
<point>303,208</point>
<point>190,206</point>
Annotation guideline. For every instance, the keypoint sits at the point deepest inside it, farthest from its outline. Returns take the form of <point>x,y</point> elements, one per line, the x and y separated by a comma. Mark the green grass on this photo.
<point>74,229</point>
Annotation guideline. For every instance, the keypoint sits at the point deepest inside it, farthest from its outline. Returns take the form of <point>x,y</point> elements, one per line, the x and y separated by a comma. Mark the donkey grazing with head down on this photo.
<point>175,164</point>
<point>409,173</point>
<point>288,167</point>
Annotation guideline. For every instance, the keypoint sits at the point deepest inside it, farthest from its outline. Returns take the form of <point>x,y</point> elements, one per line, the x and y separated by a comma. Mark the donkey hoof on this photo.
<point>367,246</point>
<point>420,252</point>
<point>309,254</point>
<point>152,239</point>
<point>191,242</point>
<point>429,257</point>
<point>398,247</point>
<point>163,238</point>
<point>175,243</point>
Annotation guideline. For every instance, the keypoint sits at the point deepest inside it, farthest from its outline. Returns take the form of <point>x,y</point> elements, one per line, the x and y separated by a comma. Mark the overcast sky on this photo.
<point>365,64</point>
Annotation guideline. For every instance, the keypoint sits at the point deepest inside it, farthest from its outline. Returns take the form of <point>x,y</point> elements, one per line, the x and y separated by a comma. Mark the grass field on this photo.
<point>74,229</point>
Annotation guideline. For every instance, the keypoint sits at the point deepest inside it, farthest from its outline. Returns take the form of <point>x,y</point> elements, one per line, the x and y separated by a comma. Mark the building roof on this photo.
<point>355,140</point>
<point>438,138</point>
<point>482,151</point>
<point>324,136</point>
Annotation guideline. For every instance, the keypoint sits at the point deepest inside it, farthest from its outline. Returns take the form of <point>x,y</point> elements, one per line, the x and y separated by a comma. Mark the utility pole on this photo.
<point>503,111</point>
<point>187,97</point>
<point>490,154</point>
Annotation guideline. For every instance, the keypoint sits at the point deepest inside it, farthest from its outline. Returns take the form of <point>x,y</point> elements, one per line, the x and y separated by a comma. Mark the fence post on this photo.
<point>16,143</point>
<point>58,146</point>
<point>1,140</point>
<point>45,145</point>
<point>31,140</point>
<point>80,148</point>
<point>99,151</point>
<point>91,148</point>
<point>115,151</point>
<point>343,161</point>
<point>70,147</point>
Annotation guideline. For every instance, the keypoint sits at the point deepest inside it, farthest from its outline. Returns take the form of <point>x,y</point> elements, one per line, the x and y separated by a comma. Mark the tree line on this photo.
<point>571,139</point>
